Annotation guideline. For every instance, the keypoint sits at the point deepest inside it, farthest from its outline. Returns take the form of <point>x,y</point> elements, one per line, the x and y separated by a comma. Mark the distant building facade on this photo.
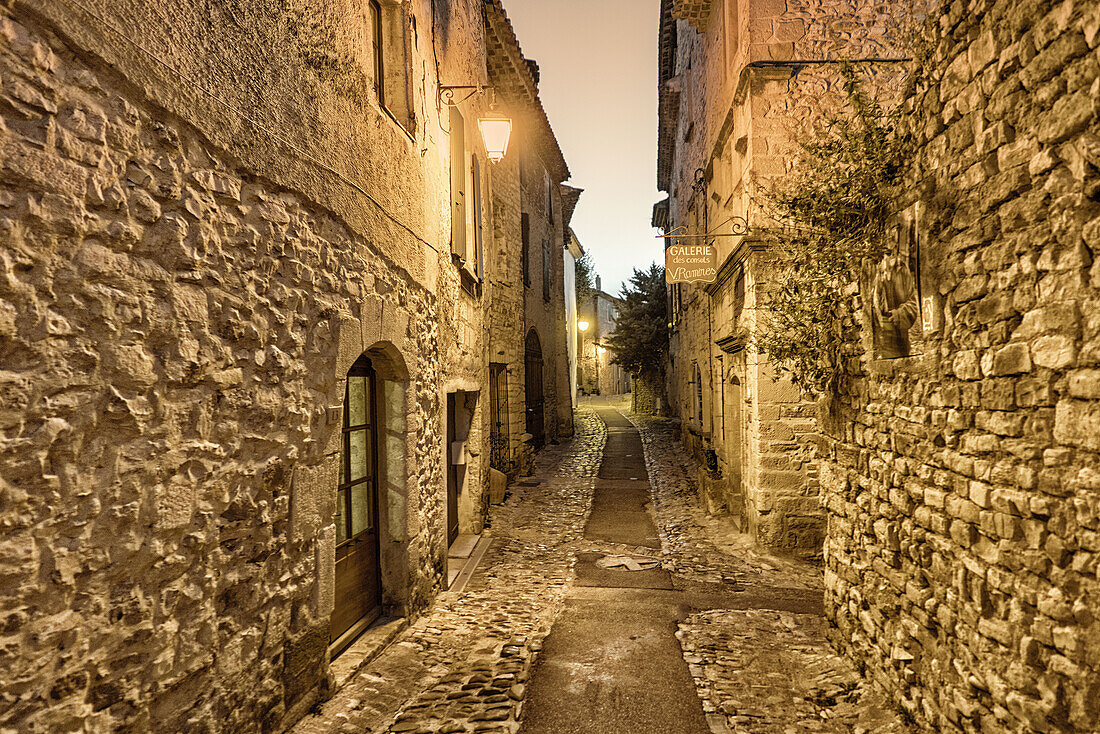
<point>599,376</point>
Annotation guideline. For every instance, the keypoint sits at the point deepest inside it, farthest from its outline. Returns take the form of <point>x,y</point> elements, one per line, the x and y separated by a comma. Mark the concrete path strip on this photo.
<point>612,663</point>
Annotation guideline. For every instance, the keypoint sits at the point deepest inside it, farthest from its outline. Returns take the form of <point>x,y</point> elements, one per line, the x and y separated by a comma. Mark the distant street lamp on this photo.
<point>582,325</point>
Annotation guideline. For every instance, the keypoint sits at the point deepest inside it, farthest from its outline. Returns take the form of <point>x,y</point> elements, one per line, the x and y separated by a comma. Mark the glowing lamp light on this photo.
<point>582,325</point>
<point>496,131</point>
<point>601,350</point>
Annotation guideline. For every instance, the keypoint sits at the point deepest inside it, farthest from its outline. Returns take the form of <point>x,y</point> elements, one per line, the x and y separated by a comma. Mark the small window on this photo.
<point>549,197</point>
<point>391,28</point>
<point>525,243</point>
<point>739,296</point>
<point>546,269</point>
<point>698,396</point>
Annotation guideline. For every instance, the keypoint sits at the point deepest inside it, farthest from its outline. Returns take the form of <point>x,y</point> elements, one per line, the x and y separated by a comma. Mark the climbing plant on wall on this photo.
<point>831,215</point>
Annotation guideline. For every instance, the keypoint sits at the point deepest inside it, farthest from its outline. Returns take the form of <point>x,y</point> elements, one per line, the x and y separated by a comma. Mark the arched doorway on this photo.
<point>536,424</point>
<point>358,589</point>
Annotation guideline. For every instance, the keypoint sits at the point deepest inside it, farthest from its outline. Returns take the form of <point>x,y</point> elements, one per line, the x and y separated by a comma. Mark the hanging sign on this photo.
<point>692,263</point>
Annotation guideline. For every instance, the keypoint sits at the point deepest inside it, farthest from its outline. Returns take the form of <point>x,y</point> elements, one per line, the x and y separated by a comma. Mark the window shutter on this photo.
<point>379,51</point>
<point>739,296</point>
<point>458,184</point>
<point>479,245</point>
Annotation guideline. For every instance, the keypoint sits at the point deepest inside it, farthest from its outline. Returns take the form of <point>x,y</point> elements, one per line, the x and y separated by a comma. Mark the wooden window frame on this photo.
<point>361,368</point>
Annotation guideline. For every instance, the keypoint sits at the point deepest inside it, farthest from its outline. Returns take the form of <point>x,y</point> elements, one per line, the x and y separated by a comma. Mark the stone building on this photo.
<point>738,82</point>
<point>549,408</point>
<point>598,375</point>
<point>529,364</point>
<point>528,370</point>
<point>962,477</point>
<point>249,268</point>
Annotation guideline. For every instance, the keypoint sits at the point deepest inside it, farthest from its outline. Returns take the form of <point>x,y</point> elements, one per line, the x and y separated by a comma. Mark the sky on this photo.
<point>598,62</point>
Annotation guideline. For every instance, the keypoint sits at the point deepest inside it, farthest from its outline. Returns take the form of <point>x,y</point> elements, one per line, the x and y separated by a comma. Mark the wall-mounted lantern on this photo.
<point>496,129</point>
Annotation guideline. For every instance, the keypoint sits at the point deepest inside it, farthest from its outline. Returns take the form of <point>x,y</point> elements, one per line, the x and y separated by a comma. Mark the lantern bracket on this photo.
<point>447,94</point>
<point>739,227</point>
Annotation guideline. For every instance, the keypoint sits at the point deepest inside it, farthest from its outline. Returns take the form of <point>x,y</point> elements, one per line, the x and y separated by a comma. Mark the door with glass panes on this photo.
<point>358,573</point>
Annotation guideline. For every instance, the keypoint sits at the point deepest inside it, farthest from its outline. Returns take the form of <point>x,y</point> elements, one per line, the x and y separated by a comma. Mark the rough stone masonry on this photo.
<point>963,485</point>
<point>176,322</point>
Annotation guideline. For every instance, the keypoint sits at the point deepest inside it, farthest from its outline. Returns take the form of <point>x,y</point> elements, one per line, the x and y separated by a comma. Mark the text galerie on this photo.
<point>691,264</point>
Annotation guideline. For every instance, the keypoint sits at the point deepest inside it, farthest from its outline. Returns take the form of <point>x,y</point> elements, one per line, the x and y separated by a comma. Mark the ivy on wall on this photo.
<point>832,213</point>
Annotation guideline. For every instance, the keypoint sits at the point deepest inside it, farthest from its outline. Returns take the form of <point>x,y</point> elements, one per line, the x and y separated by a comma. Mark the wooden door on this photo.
<point>533,383</point>
<point>453,470</point>
<point>358,569</point>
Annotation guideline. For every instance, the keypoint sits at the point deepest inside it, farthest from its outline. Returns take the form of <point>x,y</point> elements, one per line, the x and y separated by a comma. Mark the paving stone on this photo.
<point>463,666</point>
<point>756,670</point>
<point>460,667</point>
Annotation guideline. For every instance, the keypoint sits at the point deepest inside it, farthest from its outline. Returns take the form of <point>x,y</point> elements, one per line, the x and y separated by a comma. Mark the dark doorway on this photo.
<point>533,361</point>
<point>358,569</point>
<point>453,477</point>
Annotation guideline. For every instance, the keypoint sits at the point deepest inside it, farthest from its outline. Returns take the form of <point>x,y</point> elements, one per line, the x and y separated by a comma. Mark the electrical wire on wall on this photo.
<point>260,128</point>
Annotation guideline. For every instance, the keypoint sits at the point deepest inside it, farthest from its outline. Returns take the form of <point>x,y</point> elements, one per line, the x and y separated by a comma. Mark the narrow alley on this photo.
<point>549,366</point>
<point>609,602</point>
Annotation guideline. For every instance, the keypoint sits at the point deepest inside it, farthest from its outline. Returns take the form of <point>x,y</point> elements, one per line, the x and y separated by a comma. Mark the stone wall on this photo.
<point>196,247</point>
<point>647,395</point>
<point>962,484</point>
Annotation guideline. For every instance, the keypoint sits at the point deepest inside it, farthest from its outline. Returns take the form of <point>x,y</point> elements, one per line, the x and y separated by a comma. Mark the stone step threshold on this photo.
<point>464,556</point>
<point>365,649</point>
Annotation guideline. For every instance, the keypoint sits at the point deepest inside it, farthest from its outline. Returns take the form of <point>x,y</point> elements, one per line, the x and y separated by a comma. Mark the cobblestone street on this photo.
<point>527,367</point>
<point>749,625</point>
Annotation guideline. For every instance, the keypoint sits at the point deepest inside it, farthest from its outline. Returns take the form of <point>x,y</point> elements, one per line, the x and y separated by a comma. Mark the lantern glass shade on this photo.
<point>582,325</point>
<point>496,131</point>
